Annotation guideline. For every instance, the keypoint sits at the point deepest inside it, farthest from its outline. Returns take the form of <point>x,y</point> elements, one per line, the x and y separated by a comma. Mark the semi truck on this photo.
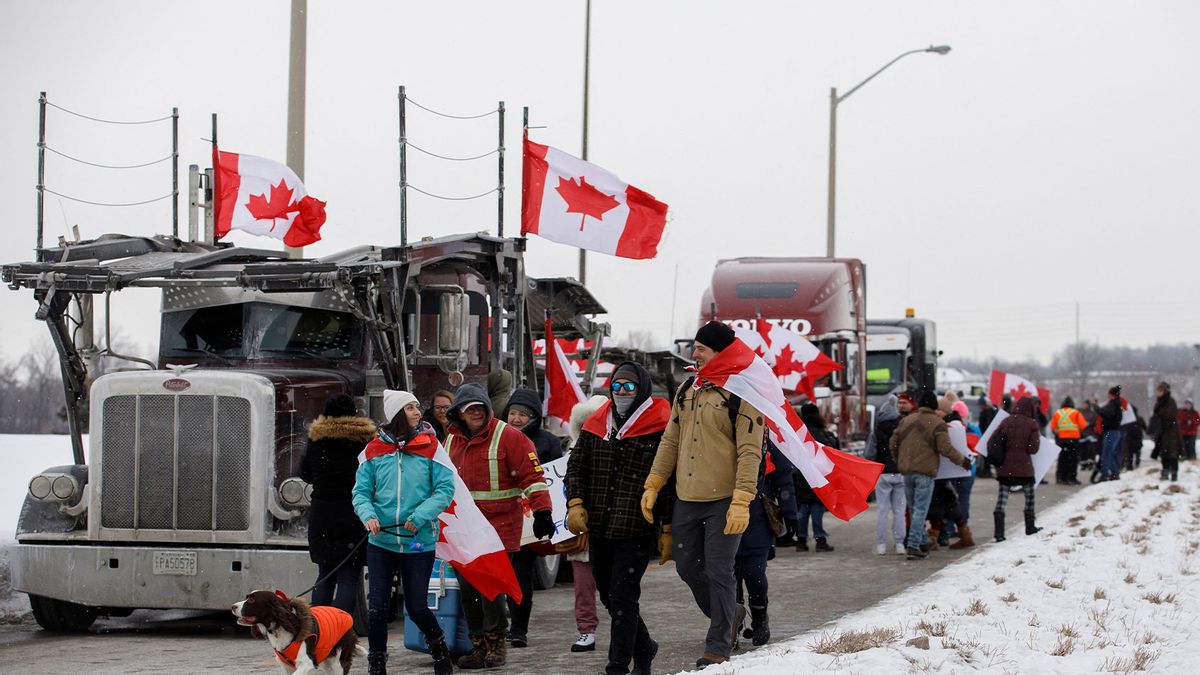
<point>822,299</point>
<point>187,494</point>
<point>901,354</point>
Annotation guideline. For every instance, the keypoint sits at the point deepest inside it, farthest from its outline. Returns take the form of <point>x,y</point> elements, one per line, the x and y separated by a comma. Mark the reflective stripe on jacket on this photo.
<point>1068,423</point>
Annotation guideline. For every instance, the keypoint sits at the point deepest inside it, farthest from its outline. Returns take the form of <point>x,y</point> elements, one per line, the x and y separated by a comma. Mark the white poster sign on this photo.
<point>554,474</point>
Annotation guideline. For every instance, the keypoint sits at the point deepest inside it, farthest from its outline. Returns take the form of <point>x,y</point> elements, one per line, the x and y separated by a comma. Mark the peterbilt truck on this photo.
<point>187,494</point>
<point>822,299</point>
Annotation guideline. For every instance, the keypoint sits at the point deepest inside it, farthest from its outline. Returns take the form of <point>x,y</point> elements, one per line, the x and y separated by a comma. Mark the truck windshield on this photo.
<point>885,372</point>
<point>251,330</point>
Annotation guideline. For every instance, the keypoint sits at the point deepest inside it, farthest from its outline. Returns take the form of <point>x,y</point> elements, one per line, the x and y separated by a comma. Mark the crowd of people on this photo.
<point>693,479</point>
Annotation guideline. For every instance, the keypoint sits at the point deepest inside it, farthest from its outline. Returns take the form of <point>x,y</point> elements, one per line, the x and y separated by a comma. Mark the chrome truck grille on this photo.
<point>175,462</point>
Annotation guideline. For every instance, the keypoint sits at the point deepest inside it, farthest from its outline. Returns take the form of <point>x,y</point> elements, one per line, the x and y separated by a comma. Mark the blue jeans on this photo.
<point>918,491</point>
<point>339,590</point>
<point>414,569</point>
<point>963,487</point>
<point>1110,454</point>
<point>817,514</point>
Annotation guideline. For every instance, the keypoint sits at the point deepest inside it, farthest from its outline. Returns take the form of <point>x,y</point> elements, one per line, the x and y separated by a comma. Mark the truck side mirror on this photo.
<point>453,316</point>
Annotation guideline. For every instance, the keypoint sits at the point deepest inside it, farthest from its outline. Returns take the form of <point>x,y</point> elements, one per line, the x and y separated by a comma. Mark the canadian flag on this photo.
<point>568,200</point>
<point>796,361</point>
<point>1003,383</point>
<point>842,481</point>
<point>470,544</point>
<point>562,386</point>
<point>266,198</point>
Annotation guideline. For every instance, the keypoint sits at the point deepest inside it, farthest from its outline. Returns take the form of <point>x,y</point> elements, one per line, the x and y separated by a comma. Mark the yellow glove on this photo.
<point>665,542</point>
<point>576,516</point>
<point>653,484</point>
<point>738,516</point>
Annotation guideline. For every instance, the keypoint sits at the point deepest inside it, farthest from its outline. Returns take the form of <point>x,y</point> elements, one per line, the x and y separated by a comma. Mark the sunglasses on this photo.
<point>624,386</point>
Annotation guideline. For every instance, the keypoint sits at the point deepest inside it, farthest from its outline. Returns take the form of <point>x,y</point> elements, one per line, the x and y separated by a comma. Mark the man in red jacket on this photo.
<point>499,465</point>
<point>1189,425</point>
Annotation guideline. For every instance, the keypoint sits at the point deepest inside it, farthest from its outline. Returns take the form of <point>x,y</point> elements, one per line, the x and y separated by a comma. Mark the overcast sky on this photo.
<point>1049,159</point>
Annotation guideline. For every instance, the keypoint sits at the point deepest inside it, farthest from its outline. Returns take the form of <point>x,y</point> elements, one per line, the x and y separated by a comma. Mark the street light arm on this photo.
<point>873,75</point>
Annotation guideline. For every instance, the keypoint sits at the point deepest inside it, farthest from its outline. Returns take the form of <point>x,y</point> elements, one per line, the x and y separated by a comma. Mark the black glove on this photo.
<point>966,463</point>
<point>543,524</point>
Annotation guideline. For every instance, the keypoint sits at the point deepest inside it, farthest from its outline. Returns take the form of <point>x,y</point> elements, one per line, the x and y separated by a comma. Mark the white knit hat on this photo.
<point>394,401</point>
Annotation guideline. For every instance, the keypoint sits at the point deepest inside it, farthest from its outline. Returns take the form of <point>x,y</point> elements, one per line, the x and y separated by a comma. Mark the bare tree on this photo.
<point>1081,361</point>
<point>643,340</point>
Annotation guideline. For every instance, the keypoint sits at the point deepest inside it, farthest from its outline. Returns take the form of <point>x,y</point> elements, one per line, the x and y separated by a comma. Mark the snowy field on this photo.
<point>1110,585</point>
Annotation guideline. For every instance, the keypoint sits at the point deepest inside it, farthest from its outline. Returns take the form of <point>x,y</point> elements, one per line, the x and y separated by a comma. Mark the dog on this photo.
<point>306,639</point>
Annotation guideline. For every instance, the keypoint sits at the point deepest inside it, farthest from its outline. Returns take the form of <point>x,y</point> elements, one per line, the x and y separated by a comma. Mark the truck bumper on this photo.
<point>123,576</point>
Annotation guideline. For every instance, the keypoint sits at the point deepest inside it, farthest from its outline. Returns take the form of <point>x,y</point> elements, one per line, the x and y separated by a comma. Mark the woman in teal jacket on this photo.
<point>399,492</point>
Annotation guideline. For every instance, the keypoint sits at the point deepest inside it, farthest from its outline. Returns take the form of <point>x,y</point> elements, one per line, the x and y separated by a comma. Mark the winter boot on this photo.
<point>823,545</point>
<point>760,628</point>
<point>377,663</point>
<point>497,650</point>
<point>442,663</point>
<point>474,659</point>
<point>998,519</point>
<point>801,544</point>
<point>642,663</point>
<point>1030,526</point>
<point>934,535</point>
<point>964,539</point>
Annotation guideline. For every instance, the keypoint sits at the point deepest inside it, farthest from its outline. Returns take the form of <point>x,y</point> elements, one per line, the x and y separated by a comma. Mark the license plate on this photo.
<point>178,563</point>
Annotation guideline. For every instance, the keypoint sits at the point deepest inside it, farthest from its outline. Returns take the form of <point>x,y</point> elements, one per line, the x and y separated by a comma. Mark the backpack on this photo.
<point>996,448</point>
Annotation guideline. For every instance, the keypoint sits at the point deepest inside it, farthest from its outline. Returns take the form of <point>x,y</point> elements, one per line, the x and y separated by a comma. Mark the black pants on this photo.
<point>1068,461</point>
<point>618,565</point>
<point>1170,468</point>
<point>339,590</point>
<point>1189,447</point>
<point>522,562</point>
<point>751,570</point>
<point>414,569</point>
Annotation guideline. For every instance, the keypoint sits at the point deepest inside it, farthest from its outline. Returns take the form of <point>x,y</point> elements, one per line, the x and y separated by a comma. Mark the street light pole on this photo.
<point>834,101</point>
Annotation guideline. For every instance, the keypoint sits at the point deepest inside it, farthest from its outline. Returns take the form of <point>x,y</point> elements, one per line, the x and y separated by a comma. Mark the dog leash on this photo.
<point>417,548</point>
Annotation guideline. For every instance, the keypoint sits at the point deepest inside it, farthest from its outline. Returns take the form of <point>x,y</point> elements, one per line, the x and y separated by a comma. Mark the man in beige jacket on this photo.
<point>918,445</point>
<point>714,455</point>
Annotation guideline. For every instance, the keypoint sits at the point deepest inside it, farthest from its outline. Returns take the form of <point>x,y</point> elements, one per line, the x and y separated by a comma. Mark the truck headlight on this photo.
<point>295,492</point>
<point>53,487</point>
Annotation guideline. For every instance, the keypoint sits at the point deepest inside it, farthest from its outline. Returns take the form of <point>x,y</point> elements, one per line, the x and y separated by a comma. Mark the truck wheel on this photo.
<point>545,571</point>
<point>360,609</point>
<point>62,616</point>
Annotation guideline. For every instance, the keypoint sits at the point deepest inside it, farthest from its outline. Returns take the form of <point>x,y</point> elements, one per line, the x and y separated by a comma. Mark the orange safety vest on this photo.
<point>329,625</point>
<point>1068,423</point>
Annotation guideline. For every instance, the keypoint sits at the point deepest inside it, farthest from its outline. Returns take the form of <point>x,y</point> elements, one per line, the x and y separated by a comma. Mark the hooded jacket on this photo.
<point>919,439</point>
<point>498,480</point>
<point>549,447</point>
<point>1167,439</point>
<point>887,418</point>
<point>330,463</point>
<point>1020,437</point>
<point>399,481</point>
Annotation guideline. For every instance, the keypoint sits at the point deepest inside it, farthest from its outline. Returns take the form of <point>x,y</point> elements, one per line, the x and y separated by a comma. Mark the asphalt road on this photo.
<point>807,590</point>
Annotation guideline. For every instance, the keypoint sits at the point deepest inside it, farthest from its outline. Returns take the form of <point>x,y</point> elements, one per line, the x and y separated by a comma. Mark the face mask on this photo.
<point>622,404</point>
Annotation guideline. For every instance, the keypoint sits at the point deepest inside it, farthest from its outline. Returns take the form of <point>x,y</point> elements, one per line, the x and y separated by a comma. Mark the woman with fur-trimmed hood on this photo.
<point>335,440</point>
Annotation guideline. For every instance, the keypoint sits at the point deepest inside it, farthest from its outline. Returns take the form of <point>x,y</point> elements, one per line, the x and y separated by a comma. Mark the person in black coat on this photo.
<point>524,411</point>
<point>808,504</point>
<point>329,464</point>
<point>775,482</point>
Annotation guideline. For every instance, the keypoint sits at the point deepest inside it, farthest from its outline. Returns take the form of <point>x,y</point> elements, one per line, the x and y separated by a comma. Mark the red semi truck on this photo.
<point>822,299</point>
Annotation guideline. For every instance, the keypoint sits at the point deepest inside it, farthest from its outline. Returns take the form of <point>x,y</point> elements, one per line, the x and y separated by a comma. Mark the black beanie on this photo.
<point>715,335</point>
<point>340,405</point>
<point>927,399</point>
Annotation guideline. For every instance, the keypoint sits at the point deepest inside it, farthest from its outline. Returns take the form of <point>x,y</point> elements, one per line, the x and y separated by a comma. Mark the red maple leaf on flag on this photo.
<point>278,205</point>
<point>786,364</point>
<point>584,198</point>
<point>1020,391</point>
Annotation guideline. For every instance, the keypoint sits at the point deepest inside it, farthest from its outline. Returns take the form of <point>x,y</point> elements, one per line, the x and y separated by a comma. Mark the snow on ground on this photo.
<point>21,458</point>
<point>1109,585</point>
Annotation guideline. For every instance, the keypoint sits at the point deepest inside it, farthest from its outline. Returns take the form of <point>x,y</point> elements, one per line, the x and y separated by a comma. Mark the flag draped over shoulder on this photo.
<point>842,481</point>
<point>571,201</point>
<point>562,387</point>
<point>264,197</point>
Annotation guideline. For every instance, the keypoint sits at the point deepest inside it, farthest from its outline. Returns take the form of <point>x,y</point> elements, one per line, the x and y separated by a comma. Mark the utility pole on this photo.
<point>587,54</point>
<point>1076,322</point>
<point>297,62</point>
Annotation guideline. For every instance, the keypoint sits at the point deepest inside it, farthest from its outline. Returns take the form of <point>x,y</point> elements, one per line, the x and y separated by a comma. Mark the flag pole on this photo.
<point>403,171</point>
<point>587,53</point>
<point>216,184</point>
<point>500,162</point>
<point>524,177</point>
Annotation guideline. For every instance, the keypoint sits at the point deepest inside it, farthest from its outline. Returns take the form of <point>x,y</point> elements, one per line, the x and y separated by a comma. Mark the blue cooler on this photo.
<point>443,601</point>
